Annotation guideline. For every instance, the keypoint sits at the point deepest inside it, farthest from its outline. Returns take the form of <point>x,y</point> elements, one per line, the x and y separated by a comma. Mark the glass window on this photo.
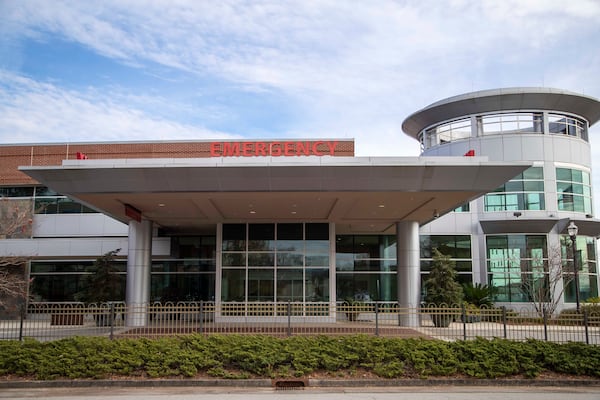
<point>16,191</point>
<point>317,284</point>
<point>512,261</point>
<point>574,190</point>
<point>448,132</point>
<point>290,285</point>
<point>458,247</point>
<point>67,206</point>
<point>290,259</point>
<point>261,259</point>
<point>233,285</point>
<point>234,259</point>
<point>511,123</point>
<point>62,280</point>
<point>317,232</point>
<point>587,273</point>
<point>261,285</point>
<point>261,237</point>
<point>365,252</point>
<point>366,287</point>
<point>290,237</point>
<point>523,192</point>
<point>464,208</point>
<point>455,246</point>
<point>43,191</point>
<point>279,264</point>
<point>234,237</point>
<point>182,287</point>
<point>56,287</point>
<point>565,125</point>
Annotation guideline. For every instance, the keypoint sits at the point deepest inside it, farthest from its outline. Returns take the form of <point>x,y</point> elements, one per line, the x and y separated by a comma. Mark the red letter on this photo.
<point>215,148</point>
<point>302,149</point>
<point>260,149</point>
<point>315,148</point>
<point>247,149</point>
<point>231,149</point>
<point>275,148</point>
<point>332,146</point>
<point>288,149</point>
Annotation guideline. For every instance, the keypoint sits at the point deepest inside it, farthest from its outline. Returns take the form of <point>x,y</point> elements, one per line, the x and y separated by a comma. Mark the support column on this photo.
<point>139,263</point>
<point>409,271</point>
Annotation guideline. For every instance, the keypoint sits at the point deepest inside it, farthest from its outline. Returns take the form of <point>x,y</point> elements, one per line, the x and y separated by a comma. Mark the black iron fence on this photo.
<point>51,321</point>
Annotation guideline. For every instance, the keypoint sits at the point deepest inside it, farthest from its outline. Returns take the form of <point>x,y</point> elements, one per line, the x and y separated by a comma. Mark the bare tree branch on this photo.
<point>16,220</point>
<point>13,285</point>
<point>545,285</point>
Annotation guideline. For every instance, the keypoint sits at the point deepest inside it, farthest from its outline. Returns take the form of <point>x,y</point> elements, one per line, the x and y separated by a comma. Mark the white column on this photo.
<point>409,271</point>
<point>139,263</point>
<point>219,272</point>
<point>332,272</point>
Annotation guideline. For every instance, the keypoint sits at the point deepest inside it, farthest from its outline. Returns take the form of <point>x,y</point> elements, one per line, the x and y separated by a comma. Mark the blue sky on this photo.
<point>201,69</point>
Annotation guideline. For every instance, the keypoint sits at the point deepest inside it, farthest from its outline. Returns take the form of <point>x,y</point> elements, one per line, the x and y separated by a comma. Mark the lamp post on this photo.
<point>572,229</point>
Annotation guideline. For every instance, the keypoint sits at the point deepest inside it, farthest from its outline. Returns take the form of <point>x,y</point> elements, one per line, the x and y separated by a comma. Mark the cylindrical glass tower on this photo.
<point>519,240</point>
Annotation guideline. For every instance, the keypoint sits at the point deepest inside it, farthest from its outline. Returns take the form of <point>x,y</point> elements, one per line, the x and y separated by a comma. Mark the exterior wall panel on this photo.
<point>73,225</point>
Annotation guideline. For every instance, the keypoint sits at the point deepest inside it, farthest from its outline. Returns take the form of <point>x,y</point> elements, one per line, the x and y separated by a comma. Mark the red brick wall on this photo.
<point>13,156</point>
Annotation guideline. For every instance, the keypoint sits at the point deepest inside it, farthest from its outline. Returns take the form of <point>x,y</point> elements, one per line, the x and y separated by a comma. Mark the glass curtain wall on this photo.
<point>458,247</point>
<point>514,262</point>
<point>189,275</point>
<point>366,265</point>
<point>587,271</point>
<point>59,281</point>
<point>286,262</point>
<point>366,268</point>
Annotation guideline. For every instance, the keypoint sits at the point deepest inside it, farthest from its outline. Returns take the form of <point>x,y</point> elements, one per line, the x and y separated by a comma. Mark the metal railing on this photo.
<point>51,321</point>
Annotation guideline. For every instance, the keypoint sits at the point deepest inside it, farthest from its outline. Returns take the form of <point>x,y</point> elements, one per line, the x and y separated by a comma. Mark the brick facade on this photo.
<point>13,156</point>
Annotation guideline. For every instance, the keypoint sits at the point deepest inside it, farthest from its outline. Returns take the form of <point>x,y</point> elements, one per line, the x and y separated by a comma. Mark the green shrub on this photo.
<point>239,357</point>
<point>593,300</point>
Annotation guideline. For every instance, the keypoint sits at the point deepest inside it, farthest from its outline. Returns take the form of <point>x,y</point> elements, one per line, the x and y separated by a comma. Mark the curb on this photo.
<point>312,383</point>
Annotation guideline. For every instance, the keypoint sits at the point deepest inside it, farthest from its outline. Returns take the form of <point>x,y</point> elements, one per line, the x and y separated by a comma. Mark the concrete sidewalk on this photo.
<point>370,393</point>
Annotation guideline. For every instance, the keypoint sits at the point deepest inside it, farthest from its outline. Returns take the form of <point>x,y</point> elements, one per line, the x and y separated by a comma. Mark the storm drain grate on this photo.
<point>289,384</point>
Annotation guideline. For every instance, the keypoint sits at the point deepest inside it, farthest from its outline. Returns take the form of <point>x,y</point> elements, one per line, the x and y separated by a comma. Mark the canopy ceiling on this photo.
<point>358,194</point>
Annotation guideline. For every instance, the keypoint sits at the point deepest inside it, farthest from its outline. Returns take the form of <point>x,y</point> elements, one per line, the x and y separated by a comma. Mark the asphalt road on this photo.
<point>395,393</point>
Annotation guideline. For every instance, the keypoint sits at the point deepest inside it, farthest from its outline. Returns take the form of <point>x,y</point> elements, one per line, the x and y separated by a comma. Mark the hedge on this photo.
<point>236,356</point>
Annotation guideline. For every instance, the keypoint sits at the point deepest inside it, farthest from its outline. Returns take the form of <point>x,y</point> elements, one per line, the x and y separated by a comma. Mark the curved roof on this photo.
<point>507,99</point>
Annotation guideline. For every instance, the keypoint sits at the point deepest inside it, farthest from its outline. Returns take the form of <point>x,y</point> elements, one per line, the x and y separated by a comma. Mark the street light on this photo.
<point>572,229</point>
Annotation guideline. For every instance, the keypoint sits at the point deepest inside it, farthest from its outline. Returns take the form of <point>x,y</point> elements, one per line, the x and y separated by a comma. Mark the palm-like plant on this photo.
<point>479,295</point>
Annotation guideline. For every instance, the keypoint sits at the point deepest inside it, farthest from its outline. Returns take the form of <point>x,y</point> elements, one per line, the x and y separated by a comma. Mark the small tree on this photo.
<point>16,218</point>
<point>442,289</point>
<point>546,283</point>
<point>441,285</point>
<point>104,284</point>
<point>16,221</point>
<point>13,284</point>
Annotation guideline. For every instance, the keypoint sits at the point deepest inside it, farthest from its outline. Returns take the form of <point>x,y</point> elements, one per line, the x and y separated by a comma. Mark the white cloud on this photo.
<point>39,112</point>
<point>328,47</point>
<point>351,68</point>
